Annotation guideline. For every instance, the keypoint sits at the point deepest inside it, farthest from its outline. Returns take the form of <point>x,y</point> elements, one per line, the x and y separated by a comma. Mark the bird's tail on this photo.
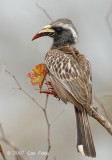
<point>85,144</point>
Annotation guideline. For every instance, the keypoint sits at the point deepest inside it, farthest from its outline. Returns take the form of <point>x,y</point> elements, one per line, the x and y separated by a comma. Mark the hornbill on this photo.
<point>70,75</point>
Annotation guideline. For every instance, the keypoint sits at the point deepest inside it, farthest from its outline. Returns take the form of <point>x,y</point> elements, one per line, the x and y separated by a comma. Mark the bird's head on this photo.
<point>62,31</point>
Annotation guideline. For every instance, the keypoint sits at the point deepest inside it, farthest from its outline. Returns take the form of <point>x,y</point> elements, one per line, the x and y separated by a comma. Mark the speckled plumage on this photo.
<point>73,72</point>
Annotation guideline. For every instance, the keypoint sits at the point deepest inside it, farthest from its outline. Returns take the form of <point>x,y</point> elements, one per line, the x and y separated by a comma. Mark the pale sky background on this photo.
<point>20,20</point>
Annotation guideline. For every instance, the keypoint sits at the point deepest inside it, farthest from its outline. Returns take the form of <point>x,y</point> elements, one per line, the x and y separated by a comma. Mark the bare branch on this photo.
<point>12,145</point>
<point>102,121</point>
<point>103,108</point>
<point>48,125</point>
<point>2,153</point>
<point>47,95</point>
<point>21,89</point>
<point>45,12</point>
<point>58,115</point>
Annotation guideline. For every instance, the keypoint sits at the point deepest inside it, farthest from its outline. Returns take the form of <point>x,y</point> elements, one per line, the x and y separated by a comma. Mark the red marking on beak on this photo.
<point>44,32</point>
<point>37,36</point>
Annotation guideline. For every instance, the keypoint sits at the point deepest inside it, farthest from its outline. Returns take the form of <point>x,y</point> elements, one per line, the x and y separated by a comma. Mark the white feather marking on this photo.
<point>77,72</point>
<point>72,69</point>
<point>80,149</point>
<point>69,66</point>
<point>72,30</point>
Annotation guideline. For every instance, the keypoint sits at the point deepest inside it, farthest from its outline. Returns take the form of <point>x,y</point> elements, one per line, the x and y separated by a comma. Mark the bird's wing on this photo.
<point>72,72</point>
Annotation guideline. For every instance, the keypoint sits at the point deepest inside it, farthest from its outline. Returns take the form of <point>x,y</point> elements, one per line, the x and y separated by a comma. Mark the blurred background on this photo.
<point>23,122</point>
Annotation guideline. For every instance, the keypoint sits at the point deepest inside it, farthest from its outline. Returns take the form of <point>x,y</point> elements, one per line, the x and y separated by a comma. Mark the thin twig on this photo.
<point>46,13</point>
<point>102,121</point>
<point>21,89</point>
<point>48,125</point>
<point>13,146</point>
<point>58,115</point>
<point>107,94</point>
<point>103,108</point>
<point>16,149</point>
<point>2,153</point>
<point>47,95</point>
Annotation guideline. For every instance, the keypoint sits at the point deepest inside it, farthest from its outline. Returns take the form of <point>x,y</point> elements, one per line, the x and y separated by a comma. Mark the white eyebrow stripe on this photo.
<point>75,35</point>
<point>74,32</point>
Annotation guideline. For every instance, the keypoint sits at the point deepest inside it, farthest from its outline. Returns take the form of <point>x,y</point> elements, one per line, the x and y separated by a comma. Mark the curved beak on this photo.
<point>46,31</point>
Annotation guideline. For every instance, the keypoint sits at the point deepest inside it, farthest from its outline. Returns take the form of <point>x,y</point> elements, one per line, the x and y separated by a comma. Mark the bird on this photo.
<point>71,77</point>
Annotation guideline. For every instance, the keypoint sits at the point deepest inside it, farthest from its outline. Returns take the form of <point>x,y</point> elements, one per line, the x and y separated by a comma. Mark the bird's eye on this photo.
<point>58,29</point>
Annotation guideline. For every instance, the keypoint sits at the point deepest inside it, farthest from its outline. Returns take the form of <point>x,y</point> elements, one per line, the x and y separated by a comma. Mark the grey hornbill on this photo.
<point>70,75</point>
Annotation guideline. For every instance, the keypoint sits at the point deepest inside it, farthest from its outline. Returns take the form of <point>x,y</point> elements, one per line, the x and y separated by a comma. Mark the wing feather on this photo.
<point>73,73</point>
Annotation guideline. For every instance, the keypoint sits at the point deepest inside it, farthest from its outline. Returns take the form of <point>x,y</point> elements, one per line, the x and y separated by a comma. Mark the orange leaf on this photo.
<point>38,75</point>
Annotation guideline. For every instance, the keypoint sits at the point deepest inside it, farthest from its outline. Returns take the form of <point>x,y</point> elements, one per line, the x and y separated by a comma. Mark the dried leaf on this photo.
<point>38,75</point>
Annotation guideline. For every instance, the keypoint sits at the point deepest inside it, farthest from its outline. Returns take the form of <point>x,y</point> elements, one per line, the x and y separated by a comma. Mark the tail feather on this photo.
<point>85,144</point>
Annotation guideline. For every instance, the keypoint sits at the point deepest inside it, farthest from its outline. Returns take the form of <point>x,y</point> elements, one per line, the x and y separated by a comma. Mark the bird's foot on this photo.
<point>49,85</point>
<point>49,92</point>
